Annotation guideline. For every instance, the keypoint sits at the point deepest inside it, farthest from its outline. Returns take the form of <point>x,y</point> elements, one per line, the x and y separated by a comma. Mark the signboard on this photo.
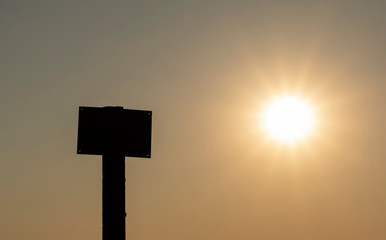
<point>114,131</point>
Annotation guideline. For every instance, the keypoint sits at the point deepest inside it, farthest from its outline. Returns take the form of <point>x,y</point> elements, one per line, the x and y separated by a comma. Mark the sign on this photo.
<point>114,131</point>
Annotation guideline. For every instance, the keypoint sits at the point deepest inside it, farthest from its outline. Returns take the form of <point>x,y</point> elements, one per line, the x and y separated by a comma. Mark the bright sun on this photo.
<point>288,119</point>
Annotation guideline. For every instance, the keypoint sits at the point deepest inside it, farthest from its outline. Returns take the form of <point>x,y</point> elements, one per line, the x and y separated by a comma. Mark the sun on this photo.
<point>288,119</point>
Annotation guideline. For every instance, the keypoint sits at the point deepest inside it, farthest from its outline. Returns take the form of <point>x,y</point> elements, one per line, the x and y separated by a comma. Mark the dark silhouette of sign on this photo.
<point>114,130</point>
<point>115,133</point>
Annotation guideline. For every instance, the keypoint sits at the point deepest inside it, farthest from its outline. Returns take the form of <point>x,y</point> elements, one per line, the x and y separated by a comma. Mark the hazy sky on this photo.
<point>204,68</point>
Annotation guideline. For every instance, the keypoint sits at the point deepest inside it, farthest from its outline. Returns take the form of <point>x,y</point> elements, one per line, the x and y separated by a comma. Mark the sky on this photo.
<point>205,69</point>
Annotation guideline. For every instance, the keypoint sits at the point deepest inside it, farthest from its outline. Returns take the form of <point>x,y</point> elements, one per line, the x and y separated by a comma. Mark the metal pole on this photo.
<point>113,197</point>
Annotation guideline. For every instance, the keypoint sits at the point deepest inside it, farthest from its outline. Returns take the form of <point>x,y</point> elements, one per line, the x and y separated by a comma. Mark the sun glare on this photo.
<point>288,119</point>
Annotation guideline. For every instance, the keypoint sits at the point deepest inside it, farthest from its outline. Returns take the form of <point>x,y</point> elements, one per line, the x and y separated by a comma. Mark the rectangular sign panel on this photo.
<point>114,131</point>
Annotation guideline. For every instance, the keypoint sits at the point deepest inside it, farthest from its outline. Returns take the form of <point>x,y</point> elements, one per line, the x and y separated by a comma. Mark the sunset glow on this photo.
<point>288,119</point>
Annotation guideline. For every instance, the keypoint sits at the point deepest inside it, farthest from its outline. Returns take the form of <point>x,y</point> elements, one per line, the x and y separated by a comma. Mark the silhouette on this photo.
<point>114,133</point>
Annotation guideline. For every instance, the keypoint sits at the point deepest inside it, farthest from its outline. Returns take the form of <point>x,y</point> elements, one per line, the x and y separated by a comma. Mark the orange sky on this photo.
<point>205,69</point>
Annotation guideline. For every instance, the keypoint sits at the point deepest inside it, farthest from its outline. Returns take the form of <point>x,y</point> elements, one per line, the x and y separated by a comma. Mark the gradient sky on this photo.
<point>204,68</point>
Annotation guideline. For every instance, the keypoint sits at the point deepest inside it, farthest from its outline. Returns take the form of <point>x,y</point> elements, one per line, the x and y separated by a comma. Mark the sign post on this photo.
<point>114,133</point>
